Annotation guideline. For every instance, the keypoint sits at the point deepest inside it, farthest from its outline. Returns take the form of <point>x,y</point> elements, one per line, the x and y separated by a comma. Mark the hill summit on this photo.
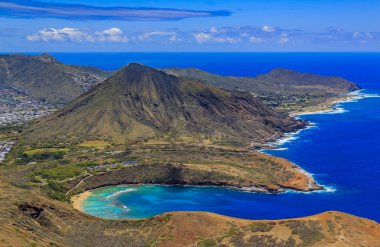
<point>140,103</point>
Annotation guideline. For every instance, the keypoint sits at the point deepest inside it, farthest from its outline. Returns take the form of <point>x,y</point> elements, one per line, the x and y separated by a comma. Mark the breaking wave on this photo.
<point>118,193</point>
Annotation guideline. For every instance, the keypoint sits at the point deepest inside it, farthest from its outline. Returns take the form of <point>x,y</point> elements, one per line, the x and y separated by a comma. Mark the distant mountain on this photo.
<point>307,82</point>
<point>277,81</point>
<point>139,103</point>
<point>46,78</point>
<point>279,88</point>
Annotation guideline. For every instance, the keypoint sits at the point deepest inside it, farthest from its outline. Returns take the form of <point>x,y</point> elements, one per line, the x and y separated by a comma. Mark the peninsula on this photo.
<point>142,126</point>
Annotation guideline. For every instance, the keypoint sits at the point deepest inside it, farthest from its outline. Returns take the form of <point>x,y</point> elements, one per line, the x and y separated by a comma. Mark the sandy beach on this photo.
<point>326,107</point>
<point>78,200</point>
<point>309,112</point>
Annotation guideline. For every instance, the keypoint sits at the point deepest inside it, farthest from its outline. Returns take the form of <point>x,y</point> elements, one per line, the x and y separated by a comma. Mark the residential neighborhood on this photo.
<point>17,106</point>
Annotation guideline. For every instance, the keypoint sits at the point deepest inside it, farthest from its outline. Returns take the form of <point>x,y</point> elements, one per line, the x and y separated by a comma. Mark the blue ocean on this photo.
<point>342,150</point>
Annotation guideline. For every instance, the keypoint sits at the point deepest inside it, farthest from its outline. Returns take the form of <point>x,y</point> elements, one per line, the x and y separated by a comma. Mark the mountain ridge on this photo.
<point>139,102</point>
<point>46,78</point>
<point>275,76</point>
<point>283,89</point>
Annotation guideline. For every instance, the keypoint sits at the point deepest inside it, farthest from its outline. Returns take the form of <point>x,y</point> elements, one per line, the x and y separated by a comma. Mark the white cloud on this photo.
<point>230,40</point>
<point>332,29</point>
<point>284,38</point>
<point>205,37</point>
<point>214,30</point>
<point>358,35</point>
<point>169,36</point>
<point>202,37</point>
<point>240,34</point>
<point>268,29</point>
<point>111,35</point>
<point>60,35</point>
<point>219,35</point>
<point>77,35</point>
<point>255,40</point>
<point>365,37</point>
<point>268,35</point>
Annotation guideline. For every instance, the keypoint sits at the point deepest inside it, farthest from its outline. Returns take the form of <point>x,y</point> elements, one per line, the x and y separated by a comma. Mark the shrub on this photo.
<point>62,172</point>
<point>207,243</point>
<point>260,227</point>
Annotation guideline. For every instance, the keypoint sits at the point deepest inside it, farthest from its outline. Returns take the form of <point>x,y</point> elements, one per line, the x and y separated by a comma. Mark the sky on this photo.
<point>189,26</point>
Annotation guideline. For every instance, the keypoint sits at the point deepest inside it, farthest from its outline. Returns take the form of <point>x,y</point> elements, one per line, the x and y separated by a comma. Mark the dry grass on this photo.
<point>94,144</point>
<point>30,219</point>
<point>45,150</point>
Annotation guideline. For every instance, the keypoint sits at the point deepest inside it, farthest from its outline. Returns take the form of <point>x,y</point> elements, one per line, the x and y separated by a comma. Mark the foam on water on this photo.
<point>361,93</point>
<point>358,95</point>
<point>337,109</point>
<point>118,193</point>
<point>280,149</point>
<point>288,137</point>
<point>327,189</point>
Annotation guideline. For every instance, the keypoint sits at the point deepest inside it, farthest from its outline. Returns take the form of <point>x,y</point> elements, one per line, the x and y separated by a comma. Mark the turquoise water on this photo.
<point>342,150</point>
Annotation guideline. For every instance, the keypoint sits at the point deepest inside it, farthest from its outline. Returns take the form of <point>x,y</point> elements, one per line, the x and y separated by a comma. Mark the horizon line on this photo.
<point>30,52</point>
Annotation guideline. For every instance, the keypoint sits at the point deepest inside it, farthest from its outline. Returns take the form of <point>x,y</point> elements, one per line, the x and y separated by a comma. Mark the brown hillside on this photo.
<point>140,103</point>
<point>46,78</point>
<point>29,219</point>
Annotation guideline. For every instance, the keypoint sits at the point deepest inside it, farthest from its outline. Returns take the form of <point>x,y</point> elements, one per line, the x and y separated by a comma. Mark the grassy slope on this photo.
<point>30,219</point>
<point>258,172</point>
<point>56,170</point>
